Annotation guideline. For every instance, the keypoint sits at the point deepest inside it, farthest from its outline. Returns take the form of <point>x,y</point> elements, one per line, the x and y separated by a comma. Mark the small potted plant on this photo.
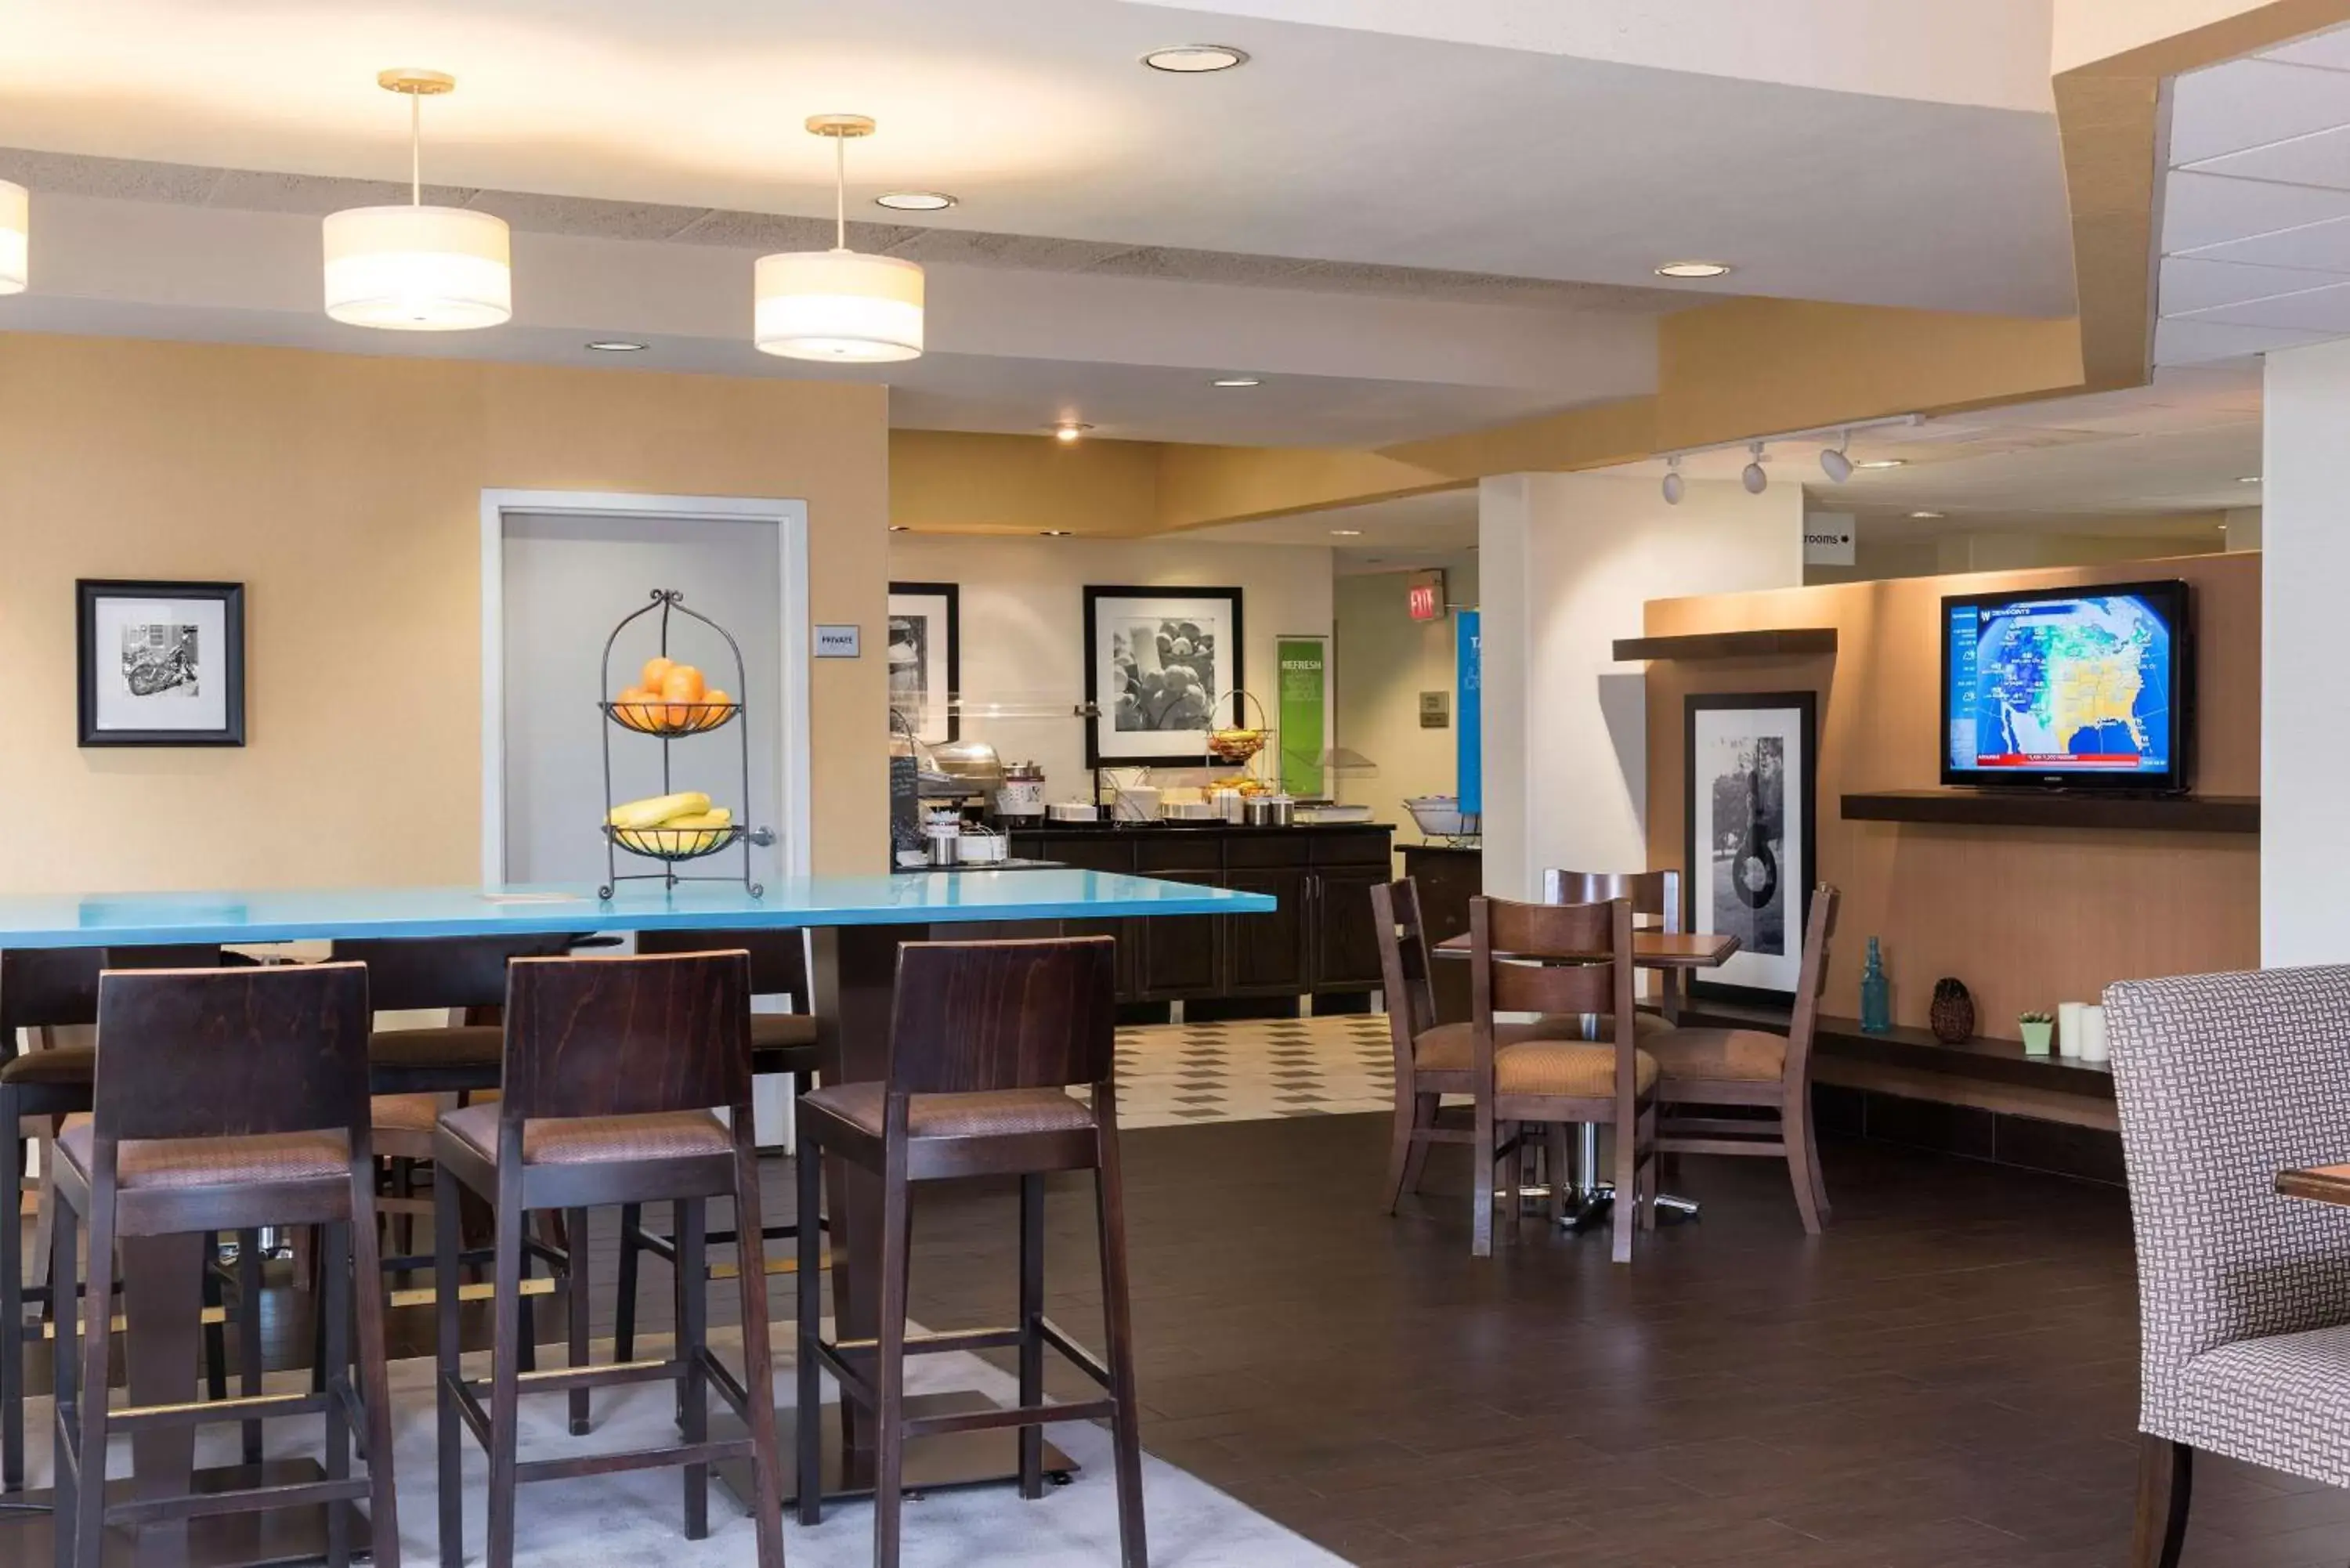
<point>2038,1028</point>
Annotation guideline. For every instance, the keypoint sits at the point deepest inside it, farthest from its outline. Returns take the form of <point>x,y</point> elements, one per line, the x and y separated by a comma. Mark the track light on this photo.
<point>1755,479</point>
<point>1838,466</point>
<point>1673,482</point>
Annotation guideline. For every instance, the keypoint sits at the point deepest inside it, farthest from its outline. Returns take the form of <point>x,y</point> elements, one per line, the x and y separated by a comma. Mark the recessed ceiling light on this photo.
<point>1925,516</point>
<point>1345,532</point>
<point>1193,60</point>
<point>1238,381</point>
<point>1874,463</point>
<point>1055,532</point>
<point>915,200</point>
<point>2249,479</point>
<point>1070,429</point>
<point>1694,269</point>
<point>616,346</point>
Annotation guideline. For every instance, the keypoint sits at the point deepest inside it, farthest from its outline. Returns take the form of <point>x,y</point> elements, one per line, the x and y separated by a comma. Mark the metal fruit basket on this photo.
<point>670,718</point>
<point>678,844</point>
<point>1235,747</point>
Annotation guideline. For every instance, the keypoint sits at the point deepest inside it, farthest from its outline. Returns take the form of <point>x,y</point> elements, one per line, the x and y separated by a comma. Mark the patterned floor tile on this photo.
<point>1254,1069</point>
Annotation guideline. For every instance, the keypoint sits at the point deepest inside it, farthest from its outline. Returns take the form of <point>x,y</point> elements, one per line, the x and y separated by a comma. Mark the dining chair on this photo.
<point>2223,1081</point>
<point>1553,959</point>
<point>1753,1069</point>
<point>1654,896</point>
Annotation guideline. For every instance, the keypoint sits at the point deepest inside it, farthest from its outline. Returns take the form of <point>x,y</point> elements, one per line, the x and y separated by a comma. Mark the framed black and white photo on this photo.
<point>159,664</point>
<point>1748,769</point>
<point>1162,672</point>
<point>925,658</point>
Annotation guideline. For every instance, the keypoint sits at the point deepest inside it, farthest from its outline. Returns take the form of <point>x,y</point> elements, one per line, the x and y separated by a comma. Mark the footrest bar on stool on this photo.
<point>202,1505</point>
<point>988,1420</point>
<point>1084,1360</point>
<point>635,1459</point>
<point>205,1412</point>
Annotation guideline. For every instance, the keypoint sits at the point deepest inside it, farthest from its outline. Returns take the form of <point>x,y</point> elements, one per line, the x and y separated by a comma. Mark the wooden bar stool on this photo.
<point>42,991</point>
<point>614,1068</point>
<point>783,1044</point>
<point>984,1038</point>
<point>225,1100</point>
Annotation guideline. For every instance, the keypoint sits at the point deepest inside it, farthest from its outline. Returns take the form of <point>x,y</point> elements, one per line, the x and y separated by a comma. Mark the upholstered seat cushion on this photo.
<point>596,1141</point>
<point>1450,1047</point>
<point>1000,1114</point>
<point>453,1046</point>
<point>1576,1069</point>
<point>2280,1400</point>
<point>1720,1055</point>
<point>406,1113</point>
<point>262,1161</point>
<point>61,1065</point>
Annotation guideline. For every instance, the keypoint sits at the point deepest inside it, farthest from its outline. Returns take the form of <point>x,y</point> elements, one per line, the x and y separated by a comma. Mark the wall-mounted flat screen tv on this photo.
<point>2086,687</point>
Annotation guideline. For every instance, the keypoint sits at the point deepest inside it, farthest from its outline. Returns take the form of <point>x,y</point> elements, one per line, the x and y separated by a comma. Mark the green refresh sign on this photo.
<point>1304,704</point>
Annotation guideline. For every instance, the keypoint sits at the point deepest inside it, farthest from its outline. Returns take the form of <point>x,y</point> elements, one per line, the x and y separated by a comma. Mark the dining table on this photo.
<point>856,925</point>
<point>1589,1196</point>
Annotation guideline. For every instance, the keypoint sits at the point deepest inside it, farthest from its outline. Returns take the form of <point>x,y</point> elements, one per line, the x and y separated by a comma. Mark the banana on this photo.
<point>658,809</point>
<point>716,816</point>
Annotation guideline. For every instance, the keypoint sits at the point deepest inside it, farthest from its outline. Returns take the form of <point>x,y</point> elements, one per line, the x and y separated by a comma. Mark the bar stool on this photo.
<point>984,1038</point>
<point>224,1100</point>
<point>614,1067</point>
<point>44,990</point>
<point>781,1044</point>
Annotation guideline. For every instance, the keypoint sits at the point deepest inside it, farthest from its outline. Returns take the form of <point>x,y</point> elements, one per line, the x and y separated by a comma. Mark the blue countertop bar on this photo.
<point>127,919</point>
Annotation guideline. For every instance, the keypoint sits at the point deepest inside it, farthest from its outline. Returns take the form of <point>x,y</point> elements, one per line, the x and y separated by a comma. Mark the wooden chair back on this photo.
<point>229,1052</point>
<point>970,1017</point>
<point>1403,966</point>
<point>1810,981</point>
<point>1654,896</point>
<point>1549,957</point>
<point>625,1036</point>
<point>778,956</point>
<point>423,973</point>
<point>57,988</point>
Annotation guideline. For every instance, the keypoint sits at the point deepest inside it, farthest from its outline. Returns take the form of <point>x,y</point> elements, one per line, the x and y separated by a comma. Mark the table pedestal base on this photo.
<point>224,1541</point>
<point>932,1464</point>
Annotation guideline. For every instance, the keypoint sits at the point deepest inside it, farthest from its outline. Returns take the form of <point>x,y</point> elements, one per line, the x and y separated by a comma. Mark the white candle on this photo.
<point>2068,1028</point>
<point>2092,1034</point>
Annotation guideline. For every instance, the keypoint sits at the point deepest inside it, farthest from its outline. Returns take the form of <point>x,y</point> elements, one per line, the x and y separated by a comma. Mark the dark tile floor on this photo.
<point>1946,1380</point>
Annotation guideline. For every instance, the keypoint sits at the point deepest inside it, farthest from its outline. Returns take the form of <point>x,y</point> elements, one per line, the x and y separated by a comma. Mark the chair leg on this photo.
<point>1032,1341</point>
<point>692,1338</point>
<point>2165,1476</point>
<point>758,1365</point>
<point>624,1299</point>
<point>12,1304</point>
<point>575,1290</point>
<point>1481,1199</point>
<point>1408,1154</point>
<point>215,1336</point>
<point>335,1311</point>
<point>889,1362</point>
<point>1803,1163</point>
<point>375,1380</point>
<point>447,1227</point>
<point>1117,1331</point>
<point>1513,1137</point>
<point>505,1369</point>
<point>807,1417</point>
<point>90,1499</point>
<point>248,1331</point>
<point>64,1428</point>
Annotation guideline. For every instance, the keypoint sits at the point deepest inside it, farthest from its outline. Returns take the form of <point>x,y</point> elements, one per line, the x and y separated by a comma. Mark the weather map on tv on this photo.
<point>2072,683</point>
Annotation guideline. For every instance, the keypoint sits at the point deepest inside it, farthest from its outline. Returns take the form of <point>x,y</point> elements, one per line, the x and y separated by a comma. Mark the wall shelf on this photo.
<point>1789,641</point>
<point>2052,808</point>
<point>1979,1059</point>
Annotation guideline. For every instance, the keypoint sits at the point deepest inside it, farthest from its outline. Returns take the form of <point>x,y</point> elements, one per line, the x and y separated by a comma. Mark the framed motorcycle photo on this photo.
<point>159,664</point>
<point>1747,766</point>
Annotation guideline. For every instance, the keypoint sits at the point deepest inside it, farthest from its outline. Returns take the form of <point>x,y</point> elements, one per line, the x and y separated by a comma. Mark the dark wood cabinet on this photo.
<point>1319,939</point>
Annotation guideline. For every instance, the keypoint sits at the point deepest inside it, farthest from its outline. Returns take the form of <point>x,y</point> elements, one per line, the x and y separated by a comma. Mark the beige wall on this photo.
<point>345,493</point>
<point>1383,659</point>
<point>1022,603</point>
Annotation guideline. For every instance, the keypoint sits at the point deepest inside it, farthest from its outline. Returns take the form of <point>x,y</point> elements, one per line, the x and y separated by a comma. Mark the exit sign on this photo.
<point>1427,596</point>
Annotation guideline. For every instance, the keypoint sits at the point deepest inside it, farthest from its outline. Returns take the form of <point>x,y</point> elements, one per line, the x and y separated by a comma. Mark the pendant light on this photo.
<point>15,237</point>
<point>836,305</point>
<point>418,268</point>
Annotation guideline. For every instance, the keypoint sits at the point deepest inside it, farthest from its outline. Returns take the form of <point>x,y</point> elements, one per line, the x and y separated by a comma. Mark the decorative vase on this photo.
<point>1952,1016</point>
<point>1876,998</point>
<point>2039,1035</point>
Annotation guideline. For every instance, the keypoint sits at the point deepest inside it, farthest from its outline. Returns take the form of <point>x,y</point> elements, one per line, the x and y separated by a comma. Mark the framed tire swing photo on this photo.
<point>1747,772</point>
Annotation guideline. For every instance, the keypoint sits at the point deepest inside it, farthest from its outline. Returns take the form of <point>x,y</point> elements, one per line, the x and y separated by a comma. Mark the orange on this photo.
<point>656,671</point>
<point>682,683</point>
<point>716,706</point>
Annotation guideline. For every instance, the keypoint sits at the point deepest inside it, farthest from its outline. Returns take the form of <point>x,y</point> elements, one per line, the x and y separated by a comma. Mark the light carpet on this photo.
<point>636,1520</point>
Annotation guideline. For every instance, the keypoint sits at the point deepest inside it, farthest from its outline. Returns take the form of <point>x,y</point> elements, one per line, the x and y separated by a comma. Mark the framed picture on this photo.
<point>1162,672</point>
<point>925,658</point>
<point>159,664</point>
<point>1748,769</point>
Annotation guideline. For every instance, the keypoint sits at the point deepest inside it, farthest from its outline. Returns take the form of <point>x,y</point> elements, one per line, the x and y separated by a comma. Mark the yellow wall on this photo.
<point>345,493</point>
<point>951,481</point>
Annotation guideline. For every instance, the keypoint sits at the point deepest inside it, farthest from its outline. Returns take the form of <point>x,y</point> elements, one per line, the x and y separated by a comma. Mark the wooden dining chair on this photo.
<point>1750,1069</point>
<point>1654,896</point>
<point>1570,959</point>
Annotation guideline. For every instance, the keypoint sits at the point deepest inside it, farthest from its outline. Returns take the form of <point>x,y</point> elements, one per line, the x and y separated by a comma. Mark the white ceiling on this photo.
<point>2256,213</point>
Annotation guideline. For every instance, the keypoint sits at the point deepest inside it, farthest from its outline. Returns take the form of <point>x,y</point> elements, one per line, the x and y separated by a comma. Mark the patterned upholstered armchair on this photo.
<point>2243,1297</point>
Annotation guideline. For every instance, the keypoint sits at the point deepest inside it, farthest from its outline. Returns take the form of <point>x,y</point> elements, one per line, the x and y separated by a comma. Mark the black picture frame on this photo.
<point>93,665</point>
<point>950,598</point>
<point>1753,977</point>
<point>1224,604</point>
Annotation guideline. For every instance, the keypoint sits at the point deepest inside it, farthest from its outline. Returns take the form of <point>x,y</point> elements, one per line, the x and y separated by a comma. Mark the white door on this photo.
<point>566,580</point>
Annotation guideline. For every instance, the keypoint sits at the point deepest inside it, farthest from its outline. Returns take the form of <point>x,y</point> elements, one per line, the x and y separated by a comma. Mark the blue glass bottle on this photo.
<point>1875,1002</point>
